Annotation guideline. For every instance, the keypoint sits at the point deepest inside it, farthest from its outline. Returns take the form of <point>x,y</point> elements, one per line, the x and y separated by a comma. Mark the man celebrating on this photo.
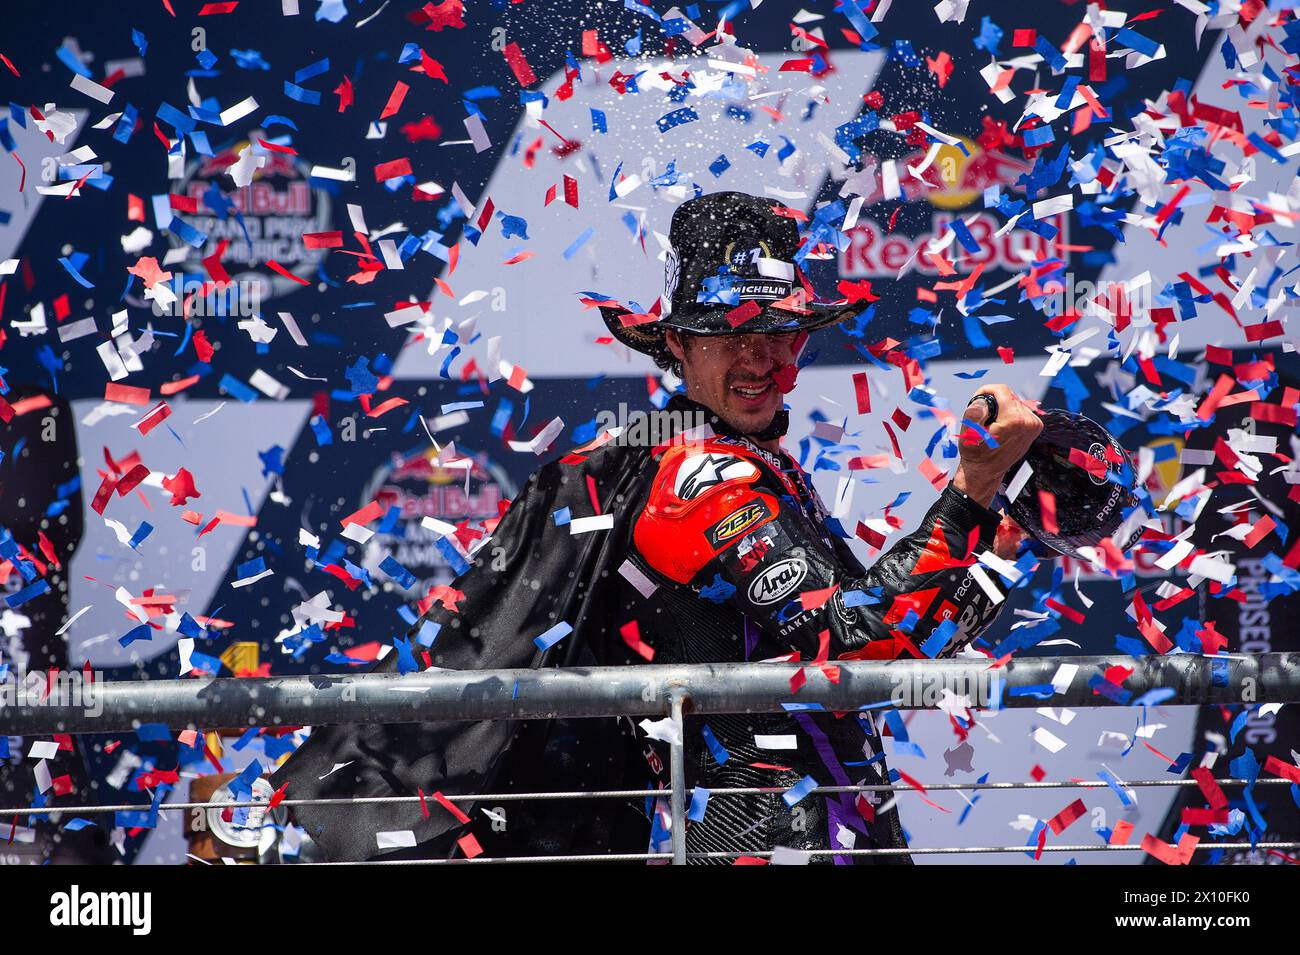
<point>719,552</point>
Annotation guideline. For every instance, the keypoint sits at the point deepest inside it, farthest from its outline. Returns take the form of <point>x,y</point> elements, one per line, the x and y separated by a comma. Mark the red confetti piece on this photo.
<point>1066,817</point>
<point>365,515</point>
<point>742,313</point>
<point>130,479</point>
<point>469,845</point>
<point>181,486</point>
<point>1067,612</point>
<point>276,267</point>
<point>127,394</point>
<point>631,634</point>
<point>451,807</point>
<point>211,9</point>
<point>1257,333</point>
<point>814,599</point>
<point>518,65</point>
<point>1047,511</point>
<point>394,100</point>
<point>1168,854</point>
<point>344,92</point>
<point>202,349</point>
<point>155,416</point>
<point>322,240</point>
<point>862,392</point>
<point>1119,836</point>
<point>1278,768</point>
<point>386,406</point>
<point>393,169</point>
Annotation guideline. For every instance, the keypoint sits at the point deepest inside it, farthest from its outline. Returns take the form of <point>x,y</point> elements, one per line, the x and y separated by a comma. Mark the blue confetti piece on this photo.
<point>428,633</point>
<point>562,517</point>
<point>675,118</point>
<point>1038,136</point>
<point>796,793</point>
<point>860,598</point>
<point>699,804</point>
<point>452,556</point>
<point>405,658</point>
<point>297,93</point>
<point>553,636</point>
<point>719,592</point>
<point>720,754</point>
<point>29,592</point>
<point>237,389</point>
<point>1136,41</point>
<point>403,577</point>
<point>250,568</point>
<point>72,270</point>
<point>312,69</point>
<point>578,243</point>
<point>143,531</point>
<point>1110,780</point>
<point>1238,724</point>
<point>939,638</point>
<point>598,124</point>
<point>205,663</point>
<point>321,429</point>
<point>153,733</point>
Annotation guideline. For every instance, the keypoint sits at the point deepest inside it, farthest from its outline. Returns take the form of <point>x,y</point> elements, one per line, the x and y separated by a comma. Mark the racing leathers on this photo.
<point>735,537</point>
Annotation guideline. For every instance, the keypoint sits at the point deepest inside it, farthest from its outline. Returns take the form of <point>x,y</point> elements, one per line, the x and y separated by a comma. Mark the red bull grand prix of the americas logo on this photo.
<point>876,252</point>
<point>277,208</point>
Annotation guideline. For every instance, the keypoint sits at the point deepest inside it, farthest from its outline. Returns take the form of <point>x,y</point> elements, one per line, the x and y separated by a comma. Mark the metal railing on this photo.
<point>671,690</point>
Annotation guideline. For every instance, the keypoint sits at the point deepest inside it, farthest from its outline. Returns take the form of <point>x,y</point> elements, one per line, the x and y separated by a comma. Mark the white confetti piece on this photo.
<point>1046,739</point>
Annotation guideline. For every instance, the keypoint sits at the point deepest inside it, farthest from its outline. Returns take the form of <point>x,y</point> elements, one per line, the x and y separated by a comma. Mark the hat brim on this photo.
<point>648,337</point>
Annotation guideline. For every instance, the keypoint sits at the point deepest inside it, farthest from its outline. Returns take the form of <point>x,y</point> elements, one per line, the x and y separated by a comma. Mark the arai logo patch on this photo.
<point>777,581</point>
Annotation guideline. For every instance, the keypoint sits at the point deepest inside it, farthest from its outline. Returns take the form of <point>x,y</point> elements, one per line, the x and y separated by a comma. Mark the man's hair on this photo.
<point>669,362</point>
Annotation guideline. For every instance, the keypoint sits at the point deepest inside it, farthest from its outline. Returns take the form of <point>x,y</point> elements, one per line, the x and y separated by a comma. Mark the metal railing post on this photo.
<point>677,777</point>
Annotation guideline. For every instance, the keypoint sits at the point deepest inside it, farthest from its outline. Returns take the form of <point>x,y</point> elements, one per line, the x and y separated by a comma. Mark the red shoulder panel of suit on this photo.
<point>678,533</point>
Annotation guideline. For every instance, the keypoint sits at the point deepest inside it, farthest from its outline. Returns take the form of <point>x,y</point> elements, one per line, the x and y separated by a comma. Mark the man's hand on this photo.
<point>1008,539</point>
<point>982,468</point>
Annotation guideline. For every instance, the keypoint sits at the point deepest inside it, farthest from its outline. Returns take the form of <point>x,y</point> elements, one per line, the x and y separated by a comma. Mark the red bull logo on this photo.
<point>276,209</point>
<point>957,180</point>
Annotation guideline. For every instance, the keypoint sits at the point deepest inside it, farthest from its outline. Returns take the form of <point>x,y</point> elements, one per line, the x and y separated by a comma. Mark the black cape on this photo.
<point>528,577</point>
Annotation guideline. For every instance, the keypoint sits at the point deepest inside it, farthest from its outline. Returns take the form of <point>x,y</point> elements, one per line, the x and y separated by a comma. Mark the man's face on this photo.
<point>733,374</point>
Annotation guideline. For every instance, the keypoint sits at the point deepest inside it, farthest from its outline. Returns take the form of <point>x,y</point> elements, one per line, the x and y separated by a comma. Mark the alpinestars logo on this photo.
<point>703,471</point>
<point>777,581</point>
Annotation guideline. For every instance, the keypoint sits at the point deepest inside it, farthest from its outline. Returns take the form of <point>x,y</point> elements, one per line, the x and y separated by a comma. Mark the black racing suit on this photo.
<point>733,536</point>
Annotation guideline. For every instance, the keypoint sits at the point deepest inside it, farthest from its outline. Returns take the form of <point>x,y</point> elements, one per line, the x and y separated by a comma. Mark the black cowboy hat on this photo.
<point>728,250</point>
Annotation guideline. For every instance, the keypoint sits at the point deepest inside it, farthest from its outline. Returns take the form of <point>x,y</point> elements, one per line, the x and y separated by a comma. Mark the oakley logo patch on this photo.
<point>776,581</point>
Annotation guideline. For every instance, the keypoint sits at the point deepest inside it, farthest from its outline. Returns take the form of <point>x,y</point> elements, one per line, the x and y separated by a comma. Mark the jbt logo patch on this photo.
<point>737,522</point>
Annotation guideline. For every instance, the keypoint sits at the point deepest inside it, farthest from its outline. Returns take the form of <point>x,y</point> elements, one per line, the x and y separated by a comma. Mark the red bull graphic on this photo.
<point>876,252</point>
<point>449,494</point>
<point>263,221</point>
